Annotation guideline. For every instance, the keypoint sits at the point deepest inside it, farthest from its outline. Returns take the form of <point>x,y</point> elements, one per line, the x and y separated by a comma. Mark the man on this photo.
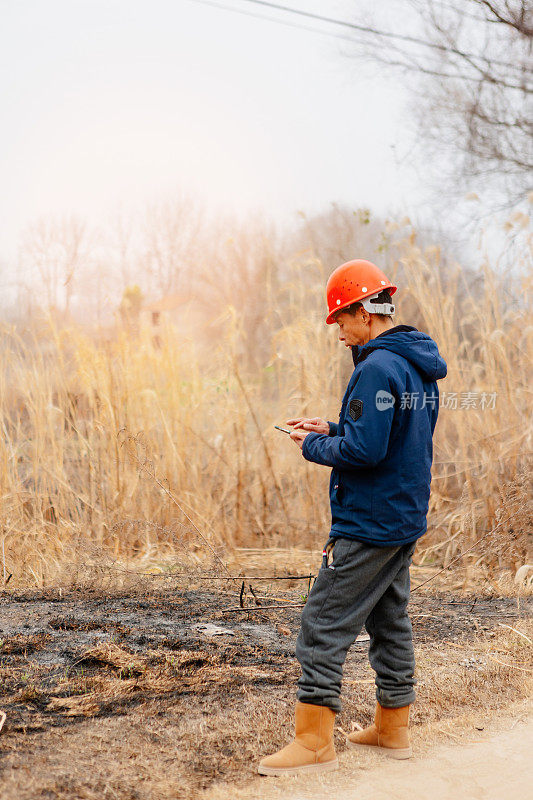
<point>380,453</point>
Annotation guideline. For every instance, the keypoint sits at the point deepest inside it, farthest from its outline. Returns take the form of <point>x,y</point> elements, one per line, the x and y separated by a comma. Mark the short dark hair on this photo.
<point>383,297</point>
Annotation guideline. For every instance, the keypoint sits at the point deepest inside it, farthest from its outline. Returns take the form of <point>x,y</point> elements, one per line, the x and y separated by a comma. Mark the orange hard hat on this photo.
<point>353,282</point>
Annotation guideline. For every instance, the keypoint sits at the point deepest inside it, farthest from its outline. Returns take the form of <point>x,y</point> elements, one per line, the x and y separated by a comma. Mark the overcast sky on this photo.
<point>112,103</point>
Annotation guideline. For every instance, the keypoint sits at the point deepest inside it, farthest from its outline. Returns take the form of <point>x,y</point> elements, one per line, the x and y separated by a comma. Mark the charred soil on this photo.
<point>161,692</point>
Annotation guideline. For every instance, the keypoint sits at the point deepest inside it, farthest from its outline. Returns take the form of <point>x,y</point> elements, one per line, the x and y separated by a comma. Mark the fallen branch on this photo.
<point>514,629</point>
<point>261,608</point>
<point>245,577</point>
<point>509,666</point>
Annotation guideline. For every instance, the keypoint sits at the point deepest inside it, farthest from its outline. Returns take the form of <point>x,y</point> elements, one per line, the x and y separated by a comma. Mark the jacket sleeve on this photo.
<point>367,426</point>
<point>332,428</point>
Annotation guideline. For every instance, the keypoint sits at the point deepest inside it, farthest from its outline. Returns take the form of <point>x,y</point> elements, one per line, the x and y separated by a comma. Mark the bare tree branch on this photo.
<point>470,100</point>
<point>514,21</point>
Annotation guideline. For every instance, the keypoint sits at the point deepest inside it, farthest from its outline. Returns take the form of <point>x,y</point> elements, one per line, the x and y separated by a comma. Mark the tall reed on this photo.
<point>204,420</point>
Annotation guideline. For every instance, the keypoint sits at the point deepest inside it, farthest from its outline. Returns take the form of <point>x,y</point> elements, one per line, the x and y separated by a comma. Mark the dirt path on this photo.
<point>497,768</point>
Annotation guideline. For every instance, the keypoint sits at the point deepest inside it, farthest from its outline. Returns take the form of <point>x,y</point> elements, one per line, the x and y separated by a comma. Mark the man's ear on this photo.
<point>365,316</point>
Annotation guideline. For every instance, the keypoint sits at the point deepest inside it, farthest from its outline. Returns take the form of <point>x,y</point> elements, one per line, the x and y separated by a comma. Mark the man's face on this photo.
<point>354,328</point>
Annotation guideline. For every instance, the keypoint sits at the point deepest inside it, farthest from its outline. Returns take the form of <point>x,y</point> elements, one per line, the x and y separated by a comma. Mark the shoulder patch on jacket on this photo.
<point>356,409</point>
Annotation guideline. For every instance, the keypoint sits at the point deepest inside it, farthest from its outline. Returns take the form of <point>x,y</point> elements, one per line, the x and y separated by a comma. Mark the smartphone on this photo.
<point>283,430</point>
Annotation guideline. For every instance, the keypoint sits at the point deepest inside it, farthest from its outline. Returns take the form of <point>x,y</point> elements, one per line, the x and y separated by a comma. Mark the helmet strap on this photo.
<point>377,308</point>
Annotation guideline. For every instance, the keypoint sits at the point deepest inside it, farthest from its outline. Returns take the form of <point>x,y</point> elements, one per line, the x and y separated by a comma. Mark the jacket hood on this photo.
<point>417,347</point>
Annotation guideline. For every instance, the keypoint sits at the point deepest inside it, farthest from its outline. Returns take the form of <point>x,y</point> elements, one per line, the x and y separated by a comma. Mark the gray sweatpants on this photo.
<point>358,585</point>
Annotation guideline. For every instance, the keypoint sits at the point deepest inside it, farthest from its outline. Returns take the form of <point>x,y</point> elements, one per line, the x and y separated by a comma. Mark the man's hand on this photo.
<point>298,436</point>
<point>309,424</point>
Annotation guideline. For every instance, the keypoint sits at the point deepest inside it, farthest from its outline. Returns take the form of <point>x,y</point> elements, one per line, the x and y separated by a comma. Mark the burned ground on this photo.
<point>159,692</point>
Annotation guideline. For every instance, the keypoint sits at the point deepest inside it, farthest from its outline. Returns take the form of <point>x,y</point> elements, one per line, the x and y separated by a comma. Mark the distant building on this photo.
<point>181,311</point>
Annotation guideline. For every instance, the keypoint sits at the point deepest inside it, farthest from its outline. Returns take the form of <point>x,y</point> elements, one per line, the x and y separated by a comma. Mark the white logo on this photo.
<point>384,400</point>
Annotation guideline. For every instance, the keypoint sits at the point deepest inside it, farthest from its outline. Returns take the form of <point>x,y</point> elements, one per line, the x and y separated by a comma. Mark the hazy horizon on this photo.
<point>108,107</point>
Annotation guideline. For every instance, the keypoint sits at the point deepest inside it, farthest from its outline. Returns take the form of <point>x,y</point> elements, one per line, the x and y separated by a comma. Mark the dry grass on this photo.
<point>75,501</point>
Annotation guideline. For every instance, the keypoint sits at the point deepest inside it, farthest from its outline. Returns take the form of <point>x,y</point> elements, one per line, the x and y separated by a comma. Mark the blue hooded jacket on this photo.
<point>381,449</point>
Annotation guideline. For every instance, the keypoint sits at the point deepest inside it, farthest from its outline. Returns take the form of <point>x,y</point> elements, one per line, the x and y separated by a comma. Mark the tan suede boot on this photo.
<point>312,749</point>
<point>389,733</point>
